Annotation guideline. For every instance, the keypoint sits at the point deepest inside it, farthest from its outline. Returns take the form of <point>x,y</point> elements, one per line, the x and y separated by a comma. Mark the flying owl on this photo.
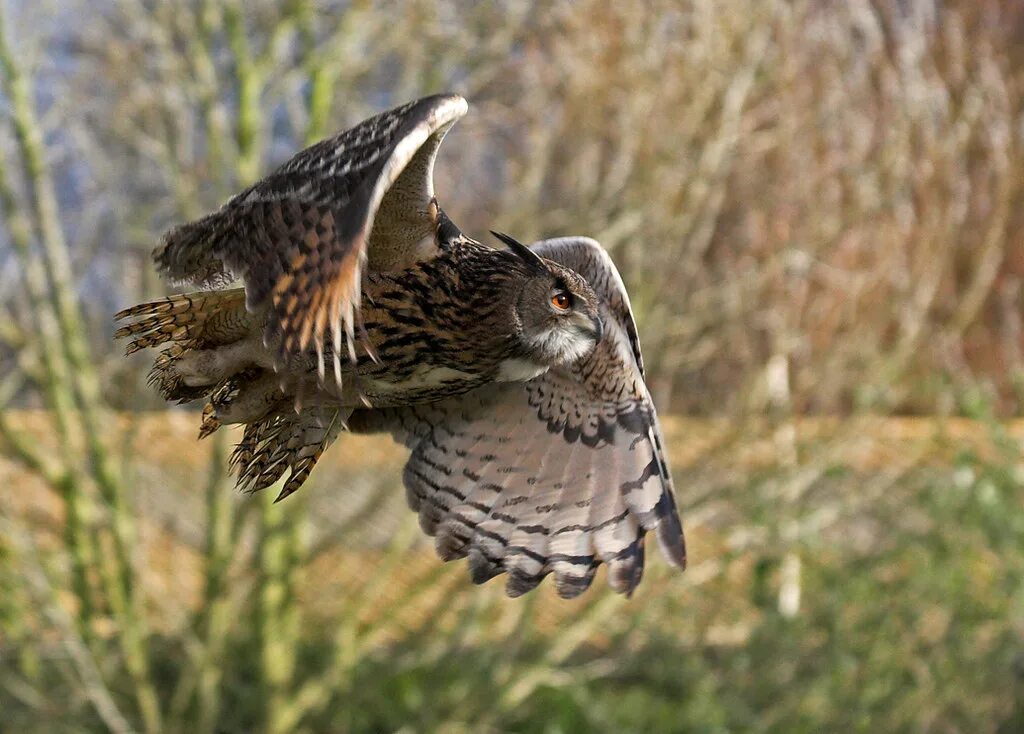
<point>513,375</point>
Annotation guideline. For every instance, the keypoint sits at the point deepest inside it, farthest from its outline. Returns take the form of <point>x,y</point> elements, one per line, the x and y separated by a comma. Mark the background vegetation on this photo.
<point>817,207</point>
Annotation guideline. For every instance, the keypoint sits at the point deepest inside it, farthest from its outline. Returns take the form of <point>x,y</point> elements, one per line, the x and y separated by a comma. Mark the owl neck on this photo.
<point>478,300</point>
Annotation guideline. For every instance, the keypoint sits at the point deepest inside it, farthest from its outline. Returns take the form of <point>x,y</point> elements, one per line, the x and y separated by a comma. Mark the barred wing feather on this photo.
<point>552,476</point>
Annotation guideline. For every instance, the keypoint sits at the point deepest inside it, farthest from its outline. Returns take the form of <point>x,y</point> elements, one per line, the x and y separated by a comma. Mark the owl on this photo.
<point>513,374</point>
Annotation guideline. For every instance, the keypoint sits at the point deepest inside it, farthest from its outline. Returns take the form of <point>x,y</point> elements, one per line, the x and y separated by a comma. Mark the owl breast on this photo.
<point>426,383</point>
<point>519,370</point>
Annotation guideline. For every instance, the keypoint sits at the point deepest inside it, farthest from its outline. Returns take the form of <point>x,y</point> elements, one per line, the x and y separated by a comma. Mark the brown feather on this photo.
<point>558,474</point>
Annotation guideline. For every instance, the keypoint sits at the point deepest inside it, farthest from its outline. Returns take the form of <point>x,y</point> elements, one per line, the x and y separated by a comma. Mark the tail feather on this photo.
<point>187,322</point>
<point>210,422</point>
<point>205,318</point>
<point>208,339</point>
<point>245,450</point>
<point>265,463</point>
<point>283,442</point>
<point>306,452</point>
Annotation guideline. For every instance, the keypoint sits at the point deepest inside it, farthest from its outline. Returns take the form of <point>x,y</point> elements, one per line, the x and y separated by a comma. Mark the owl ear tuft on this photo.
<point>528,256</point>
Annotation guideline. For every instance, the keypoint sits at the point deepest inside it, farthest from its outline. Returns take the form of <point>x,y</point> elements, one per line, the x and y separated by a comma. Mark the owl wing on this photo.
<point>555,475</point>
<point>300,238</point>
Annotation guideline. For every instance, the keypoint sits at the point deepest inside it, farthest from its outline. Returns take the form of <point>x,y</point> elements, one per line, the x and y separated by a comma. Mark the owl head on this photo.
<point>557,310</point>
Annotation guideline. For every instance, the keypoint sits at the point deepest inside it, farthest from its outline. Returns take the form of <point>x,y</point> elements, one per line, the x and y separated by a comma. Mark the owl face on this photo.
<point>559,316</point>
<point>555,309</point>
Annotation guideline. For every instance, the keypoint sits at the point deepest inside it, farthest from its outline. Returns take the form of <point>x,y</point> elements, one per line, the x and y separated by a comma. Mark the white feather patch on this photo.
<point>519,370</point>
<point>563,345</point>
<point>425,377</point>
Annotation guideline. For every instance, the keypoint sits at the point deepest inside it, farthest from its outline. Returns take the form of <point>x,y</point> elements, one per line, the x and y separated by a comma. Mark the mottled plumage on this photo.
<point>513,375</point>
<point>553,475</point>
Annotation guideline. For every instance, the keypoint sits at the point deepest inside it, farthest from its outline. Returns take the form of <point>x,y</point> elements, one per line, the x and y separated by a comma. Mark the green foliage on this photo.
<point>915,629</point>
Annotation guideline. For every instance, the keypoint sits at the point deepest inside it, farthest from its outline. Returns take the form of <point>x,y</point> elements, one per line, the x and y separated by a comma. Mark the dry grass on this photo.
<point>865,519</point>
<point>163,445</point>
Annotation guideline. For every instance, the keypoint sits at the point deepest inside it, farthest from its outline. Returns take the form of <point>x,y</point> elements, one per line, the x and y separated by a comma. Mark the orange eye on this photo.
<point>560,301</point>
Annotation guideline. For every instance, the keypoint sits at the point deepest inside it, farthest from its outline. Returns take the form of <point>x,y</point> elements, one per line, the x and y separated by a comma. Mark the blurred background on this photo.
<point>816,207</point>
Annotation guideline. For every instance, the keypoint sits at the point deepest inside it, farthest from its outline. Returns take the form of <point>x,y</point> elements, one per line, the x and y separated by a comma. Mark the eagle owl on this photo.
<point>513,375</point>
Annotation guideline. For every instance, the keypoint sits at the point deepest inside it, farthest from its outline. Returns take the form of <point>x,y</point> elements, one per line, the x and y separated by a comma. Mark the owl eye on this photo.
<point>561,300</point>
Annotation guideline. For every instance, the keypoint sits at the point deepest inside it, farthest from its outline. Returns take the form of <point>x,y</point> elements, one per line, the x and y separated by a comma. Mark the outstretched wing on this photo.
<point>300,238</point>
<point>555,475</point>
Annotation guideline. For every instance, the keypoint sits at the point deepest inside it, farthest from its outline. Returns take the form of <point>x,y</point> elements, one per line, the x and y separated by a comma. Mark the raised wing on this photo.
<point>300,238</point>
<point>555,475</point>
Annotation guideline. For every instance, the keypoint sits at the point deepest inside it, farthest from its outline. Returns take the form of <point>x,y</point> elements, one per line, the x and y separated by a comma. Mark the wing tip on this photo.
<point>519,582</point>
<point>452,104</point>
<point>439,111</point>
<point>672,543</point>
<point>481,568</point>
<point>570,585</point>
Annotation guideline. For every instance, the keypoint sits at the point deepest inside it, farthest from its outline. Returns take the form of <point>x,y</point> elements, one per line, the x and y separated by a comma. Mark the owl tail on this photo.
<point>200,330</point>
<point>218,317</point>
<point>282,442</point>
